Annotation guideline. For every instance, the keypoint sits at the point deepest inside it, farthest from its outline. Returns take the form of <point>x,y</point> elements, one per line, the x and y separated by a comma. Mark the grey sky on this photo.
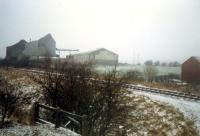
<point>162,30</point>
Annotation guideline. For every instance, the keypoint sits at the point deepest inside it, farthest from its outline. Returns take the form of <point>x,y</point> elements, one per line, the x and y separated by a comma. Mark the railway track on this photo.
<point>187,96</point>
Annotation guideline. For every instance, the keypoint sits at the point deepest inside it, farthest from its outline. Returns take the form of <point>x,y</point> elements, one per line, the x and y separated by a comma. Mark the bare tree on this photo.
<point>157,63</point>
<point>163,64</point>
<point>148,62</point>
<point>8,98</point>
<point>50,80</point>
<point>133,75</point>
<point>76,88</point>
<point>150,73</point>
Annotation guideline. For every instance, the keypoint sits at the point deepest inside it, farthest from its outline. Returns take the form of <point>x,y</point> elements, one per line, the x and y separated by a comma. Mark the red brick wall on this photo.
<point>191,70</point>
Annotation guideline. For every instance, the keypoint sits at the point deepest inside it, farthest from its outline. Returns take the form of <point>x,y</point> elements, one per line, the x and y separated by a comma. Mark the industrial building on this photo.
<point>24,51</point>
<point>44,47</point>
<point>98,56</point>
<point>15,52</point>
<point>191,70</point>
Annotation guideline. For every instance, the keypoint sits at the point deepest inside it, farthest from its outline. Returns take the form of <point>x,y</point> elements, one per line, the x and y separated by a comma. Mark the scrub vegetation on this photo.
<point>110,109</point>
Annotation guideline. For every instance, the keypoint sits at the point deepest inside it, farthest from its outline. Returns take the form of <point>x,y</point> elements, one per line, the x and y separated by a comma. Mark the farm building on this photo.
<point>15,52</point>
<point>98,56</point>
<point>191,70</point>
<point>46,46</point>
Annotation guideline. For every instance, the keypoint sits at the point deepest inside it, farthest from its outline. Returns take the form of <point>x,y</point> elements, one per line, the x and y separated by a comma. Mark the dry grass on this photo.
<point>29,92</point>
<point>18,77</point>
<point>146,117</point>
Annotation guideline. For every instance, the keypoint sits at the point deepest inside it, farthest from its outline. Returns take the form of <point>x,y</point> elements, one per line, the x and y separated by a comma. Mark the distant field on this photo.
<point>123,69</point>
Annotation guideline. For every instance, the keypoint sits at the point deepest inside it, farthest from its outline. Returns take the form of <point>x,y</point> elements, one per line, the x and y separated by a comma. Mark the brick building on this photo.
<point>191,70</point>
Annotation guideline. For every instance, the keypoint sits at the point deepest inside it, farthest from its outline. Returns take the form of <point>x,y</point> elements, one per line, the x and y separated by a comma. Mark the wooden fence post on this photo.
<point>57,122</point>
<point>35,111</point>
<point>84,126</point>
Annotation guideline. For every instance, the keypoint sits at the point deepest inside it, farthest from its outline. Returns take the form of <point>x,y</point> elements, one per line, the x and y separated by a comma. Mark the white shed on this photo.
<point>98,56</point>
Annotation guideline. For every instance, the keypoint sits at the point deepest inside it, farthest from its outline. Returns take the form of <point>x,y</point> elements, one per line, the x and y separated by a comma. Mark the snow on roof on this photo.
<point>93,51</point>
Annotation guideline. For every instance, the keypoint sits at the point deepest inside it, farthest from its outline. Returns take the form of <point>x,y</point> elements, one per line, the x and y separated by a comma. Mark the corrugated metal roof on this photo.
<point>93,51</point>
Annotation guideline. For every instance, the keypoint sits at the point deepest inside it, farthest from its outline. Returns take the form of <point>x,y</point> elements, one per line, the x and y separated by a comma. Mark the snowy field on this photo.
<point>191,109</point>
<point>40,130</point>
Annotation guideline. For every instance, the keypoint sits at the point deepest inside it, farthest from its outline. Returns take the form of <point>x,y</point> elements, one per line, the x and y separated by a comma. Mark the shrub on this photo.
<point>76,88</point>
<point>8,98</point>
<point>133,75</point>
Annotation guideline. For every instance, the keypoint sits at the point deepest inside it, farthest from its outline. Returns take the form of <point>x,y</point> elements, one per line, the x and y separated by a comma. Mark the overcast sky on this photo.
<point>162,30</point>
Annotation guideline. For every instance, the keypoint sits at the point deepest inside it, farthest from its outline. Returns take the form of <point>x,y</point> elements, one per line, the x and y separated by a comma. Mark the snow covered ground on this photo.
<point>40,130</point>
<point>191,109</point>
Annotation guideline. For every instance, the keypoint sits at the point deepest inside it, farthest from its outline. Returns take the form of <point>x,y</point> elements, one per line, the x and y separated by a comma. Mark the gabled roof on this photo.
<point>47,37</point>
<point>197,58</point>
<point>44,38</point>
<point>94,51</point>
<point>20,43</point>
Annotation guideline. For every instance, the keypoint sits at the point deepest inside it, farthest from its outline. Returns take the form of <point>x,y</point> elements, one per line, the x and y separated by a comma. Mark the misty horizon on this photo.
<point>136,30</point>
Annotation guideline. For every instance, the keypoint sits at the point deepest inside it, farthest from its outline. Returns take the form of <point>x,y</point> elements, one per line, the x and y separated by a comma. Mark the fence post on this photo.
<point>35,111</point>
<point>84,126</point>
<point>57,122</point>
